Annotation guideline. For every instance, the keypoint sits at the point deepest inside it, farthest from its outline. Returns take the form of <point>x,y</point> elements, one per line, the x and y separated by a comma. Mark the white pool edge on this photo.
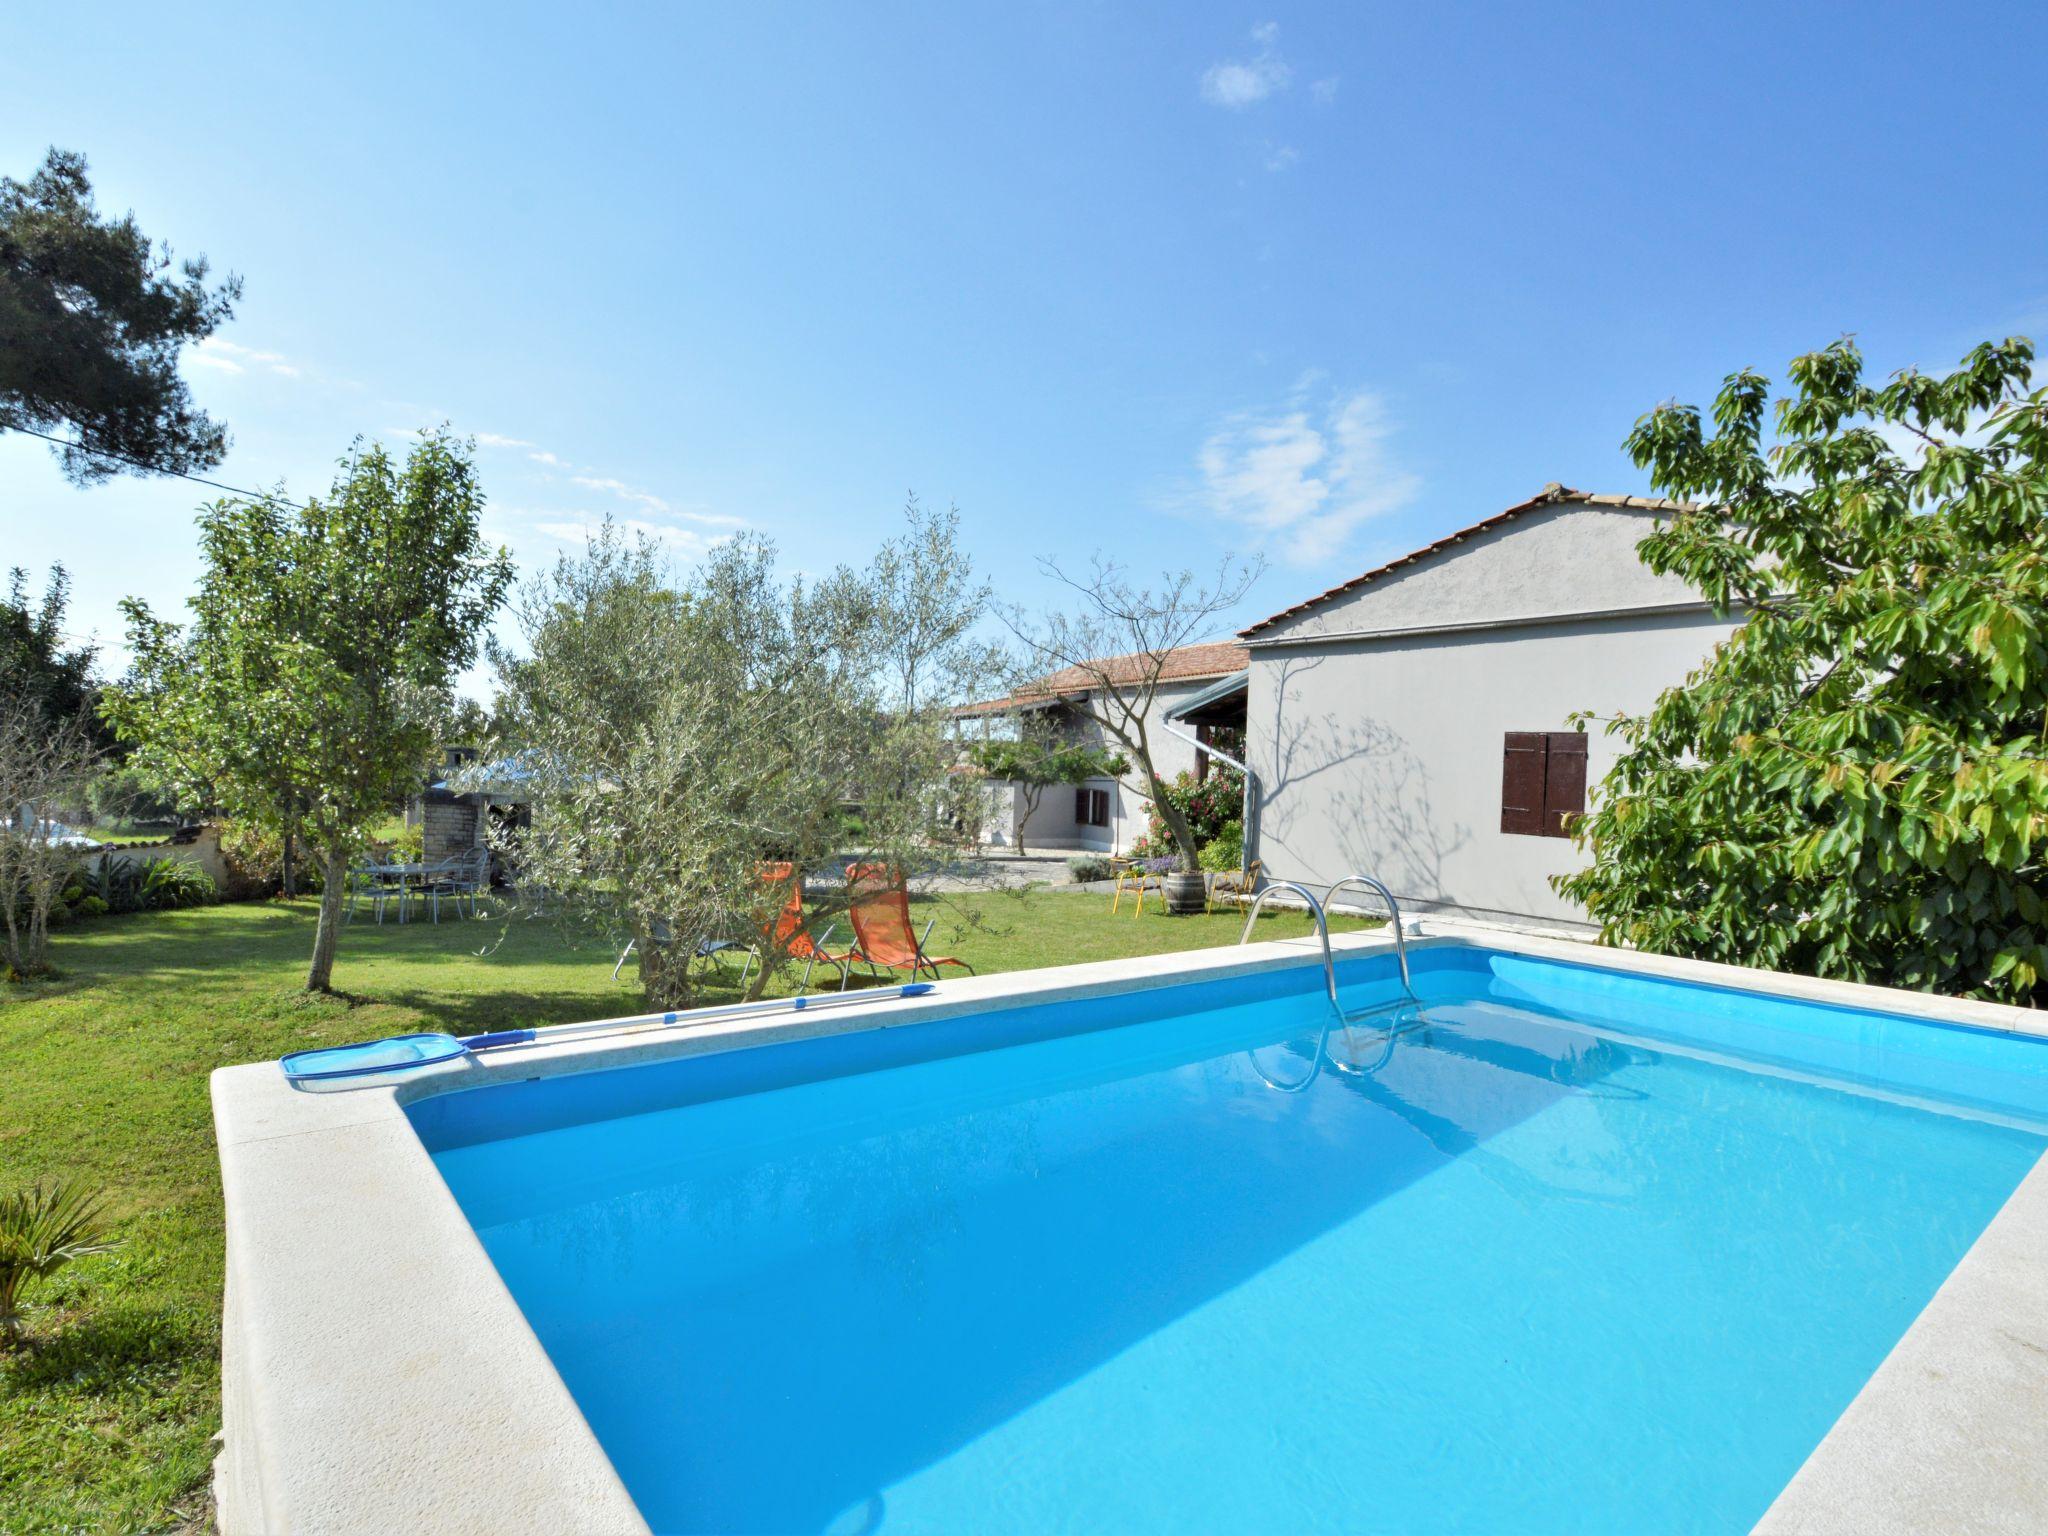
<point>345,1410</point>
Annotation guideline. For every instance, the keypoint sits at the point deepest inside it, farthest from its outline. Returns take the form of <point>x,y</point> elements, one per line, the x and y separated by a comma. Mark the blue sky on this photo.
<point>1319,282</point>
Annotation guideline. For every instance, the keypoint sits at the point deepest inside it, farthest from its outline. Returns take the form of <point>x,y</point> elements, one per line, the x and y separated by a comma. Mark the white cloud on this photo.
<point>1281,156</point>
<point>230,357</point>
<point>1323,92</point>
<point>623,491</point>
<point>1305,476</point>
<point>1239,83</point>
<point>654,503</point>
<point>542,456</point>
<point>493,440</point>
<point>678,540</point>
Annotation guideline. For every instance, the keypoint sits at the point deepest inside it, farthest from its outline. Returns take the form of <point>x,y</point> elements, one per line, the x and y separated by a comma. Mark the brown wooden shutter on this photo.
<point>1081,807</point>
<point>1521,782</point>
<point>1564,782</point>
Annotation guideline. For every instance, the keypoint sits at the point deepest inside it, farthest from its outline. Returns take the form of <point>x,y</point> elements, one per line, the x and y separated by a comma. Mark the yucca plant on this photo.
<point>43,1228</point>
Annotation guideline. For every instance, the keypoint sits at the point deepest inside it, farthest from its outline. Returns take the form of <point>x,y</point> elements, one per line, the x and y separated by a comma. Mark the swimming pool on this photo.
<point>1588,1250</point>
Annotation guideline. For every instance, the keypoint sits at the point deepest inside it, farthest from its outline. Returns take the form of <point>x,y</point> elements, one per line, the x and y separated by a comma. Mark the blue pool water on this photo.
<point>1586,1253</point>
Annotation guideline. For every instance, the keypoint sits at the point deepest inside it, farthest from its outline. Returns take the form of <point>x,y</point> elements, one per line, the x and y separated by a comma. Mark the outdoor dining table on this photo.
<point>399,875</point>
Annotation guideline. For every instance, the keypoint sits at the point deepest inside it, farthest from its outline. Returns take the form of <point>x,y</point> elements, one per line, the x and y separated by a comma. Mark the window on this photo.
<point>1542,782</point>
<point>1091,807</point>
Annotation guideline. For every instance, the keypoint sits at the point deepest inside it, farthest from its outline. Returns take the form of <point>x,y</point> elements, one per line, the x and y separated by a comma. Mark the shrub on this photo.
<point>167,883</point>
<point>1223,853</point>
<point>1084,867</point>
<point>43,1228</point>
<point>91,906</point>
<point>409,846</point>
<point>255,858</point>
<point>112,883</point>
<point>1209,804</point>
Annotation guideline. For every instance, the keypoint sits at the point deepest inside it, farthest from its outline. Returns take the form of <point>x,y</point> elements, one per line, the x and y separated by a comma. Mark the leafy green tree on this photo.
<point>91,321</point>
<point>309,690</point>
<point>1855,784</point>
<point>1039,758</point>
<point>39,662</point>
<point>122,792</point>
<point>468,724</point>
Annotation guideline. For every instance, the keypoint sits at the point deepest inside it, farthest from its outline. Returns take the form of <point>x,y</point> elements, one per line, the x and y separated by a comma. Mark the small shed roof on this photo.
<point>1221,703</point>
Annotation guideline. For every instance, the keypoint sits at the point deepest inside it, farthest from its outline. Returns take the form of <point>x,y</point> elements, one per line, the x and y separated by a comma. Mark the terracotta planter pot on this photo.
<point>1184,893</point>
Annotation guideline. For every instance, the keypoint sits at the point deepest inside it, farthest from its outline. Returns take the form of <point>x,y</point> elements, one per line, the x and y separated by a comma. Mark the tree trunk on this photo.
<point>327,935</point>
<point>17,961</point>
<point>1030,809</point>
<point>664,979</point>
<point>1176,824</point>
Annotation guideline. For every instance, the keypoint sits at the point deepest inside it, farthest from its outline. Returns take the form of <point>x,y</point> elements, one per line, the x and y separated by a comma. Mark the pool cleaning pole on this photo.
<point>768,1005</point>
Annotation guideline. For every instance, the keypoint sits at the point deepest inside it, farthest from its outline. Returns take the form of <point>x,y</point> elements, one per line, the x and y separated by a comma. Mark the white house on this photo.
<point>1102,815</point>
<point>1412,723</point>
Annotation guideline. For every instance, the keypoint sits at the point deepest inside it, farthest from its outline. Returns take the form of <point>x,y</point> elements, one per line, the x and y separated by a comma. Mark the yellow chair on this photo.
<point>1231,883</point>
<point>1135,877</point>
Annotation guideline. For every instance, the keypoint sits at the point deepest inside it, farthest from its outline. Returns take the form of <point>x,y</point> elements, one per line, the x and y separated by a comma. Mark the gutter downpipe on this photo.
<point>1251,780</point>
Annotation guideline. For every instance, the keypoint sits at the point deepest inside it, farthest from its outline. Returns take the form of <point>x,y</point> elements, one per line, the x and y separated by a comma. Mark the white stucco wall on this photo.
<point>1377,722</point>
<point>1052,825</point>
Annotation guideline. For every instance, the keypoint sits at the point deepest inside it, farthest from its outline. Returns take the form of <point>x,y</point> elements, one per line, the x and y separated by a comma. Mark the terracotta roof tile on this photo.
<point>1188,662</point>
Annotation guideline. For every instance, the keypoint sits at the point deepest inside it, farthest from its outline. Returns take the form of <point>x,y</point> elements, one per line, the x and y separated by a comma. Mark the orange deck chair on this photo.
<point>791,937</point>
<point>882,936</point>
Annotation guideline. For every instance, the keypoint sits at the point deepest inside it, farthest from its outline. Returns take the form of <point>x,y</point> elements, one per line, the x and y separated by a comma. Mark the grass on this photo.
<point>127,832</point>
<point>106,1418</point>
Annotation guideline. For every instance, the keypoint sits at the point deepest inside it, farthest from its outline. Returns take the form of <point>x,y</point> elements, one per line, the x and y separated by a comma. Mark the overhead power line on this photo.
<point>122,458</point>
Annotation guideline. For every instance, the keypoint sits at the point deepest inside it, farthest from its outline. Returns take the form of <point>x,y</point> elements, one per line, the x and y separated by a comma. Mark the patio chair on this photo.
<point>789,935</point>
<point>705,950</point>
<point>883,938</point>
<point>373,881</point>
<point>1137,877</point>
<point>444,877</point>
<point>1230,884</point>
<point>470,876</point>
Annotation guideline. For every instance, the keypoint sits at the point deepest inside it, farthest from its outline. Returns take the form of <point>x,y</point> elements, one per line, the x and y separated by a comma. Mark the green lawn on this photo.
<point>106,1419</point>
<point>126,832</point>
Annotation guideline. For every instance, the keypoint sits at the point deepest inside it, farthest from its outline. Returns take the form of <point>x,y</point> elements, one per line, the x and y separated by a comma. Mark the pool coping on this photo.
<point>482,1435</point>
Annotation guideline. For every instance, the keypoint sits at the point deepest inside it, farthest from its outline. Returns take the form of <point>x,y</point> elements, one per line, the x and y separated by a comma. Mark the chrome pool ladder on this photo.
<point>1319,911</point>
<point>1393,918</point>
<point>1315,909</point>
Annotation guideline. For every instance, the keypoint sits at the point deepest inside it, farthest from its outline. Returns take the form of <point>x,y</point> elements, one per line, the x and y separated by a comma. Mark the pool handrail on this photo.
<point>1322,928</point>
<point>1394,917</point>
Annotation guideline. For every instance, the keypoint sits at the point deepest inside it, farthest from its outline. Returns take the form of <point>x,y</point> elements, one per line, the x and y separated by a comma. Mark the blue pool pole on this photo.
<point>764,1006</point>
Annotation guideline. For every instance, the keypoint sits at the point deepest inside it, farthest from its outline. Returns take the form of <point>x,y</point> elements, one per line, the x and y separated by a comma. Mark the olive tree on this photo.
<point>677,734</point>
<point>1855,783</point>
<point>308,692</point>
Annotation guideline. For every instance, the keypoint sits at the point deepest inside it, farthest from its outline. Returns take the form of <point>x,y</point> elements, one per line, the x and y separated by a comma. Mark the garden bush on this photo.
<point>254,855</point>
<point>1210,805</point>
<point>1084,867</point>
<point>1224,853</point>
<point>168,883</point>
<point>108,884</point>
